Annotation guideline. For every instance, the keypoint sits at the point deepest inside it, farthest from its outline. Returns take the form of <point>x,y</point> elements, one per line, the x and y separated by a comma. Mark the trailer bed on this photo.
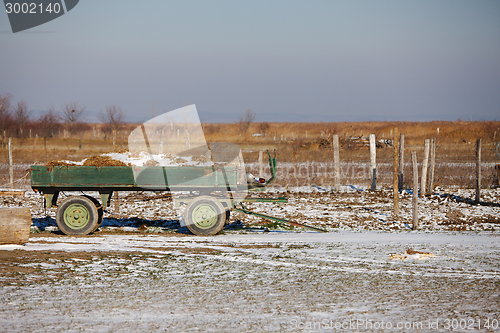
<point>121,178</point>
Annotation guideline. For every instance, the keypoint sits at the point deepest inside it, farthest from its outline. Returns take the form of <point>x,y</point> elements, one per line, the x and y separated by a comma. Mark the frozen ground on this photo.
<point>141,271</point>
<point>251,282</point>
<point>352,209</point>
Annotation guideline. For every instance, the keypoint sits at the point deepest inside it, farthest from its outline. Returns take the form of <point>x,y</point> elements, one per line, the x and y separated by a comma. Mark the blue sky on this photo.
<point>288,60</point>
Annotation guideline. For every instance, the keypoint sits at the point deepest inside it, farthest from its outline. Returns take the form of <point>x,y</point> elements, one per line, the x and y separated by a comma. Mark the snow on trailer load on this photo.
<point>167,153</point>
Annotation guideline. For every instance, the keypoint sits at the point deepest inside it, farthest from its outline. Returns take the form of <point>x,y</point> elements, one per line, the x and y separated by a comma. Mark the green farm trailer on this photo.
<point>209,193</point>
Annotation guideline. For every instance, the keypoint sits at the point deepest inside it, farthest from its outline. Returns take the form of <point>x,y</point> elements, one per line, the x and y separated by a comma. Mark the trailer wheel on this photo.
<point>100,212</point>
<point>205,215</point>
<point>77,215</point>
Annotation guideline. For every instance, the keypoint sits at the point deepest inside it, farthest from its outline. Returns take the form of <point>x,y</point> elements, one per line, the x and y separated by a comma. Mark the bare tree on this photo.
<point>247,118</point>
<point>49,122</point>
<point>5,114</point>
<point>21,116</point>
<point>72,116</point>
<point>112,118</point>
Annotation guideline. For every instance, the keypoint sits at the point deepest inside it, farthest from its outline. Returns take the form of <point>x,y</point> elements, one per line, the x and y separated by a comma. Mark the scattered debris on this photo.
<point>411,254</point>
<point>455,214</point>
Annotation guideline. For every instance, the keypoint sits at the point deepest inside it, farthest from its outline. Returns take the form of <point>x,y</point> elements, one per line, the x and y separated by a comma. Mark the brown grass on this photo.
<point>302,142</point>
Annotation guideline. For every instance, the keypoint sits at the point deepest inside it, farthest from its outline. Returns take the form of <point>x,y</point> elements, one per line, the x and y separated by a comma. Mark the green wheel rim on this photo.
<point>76,216</point>
<point>205,216</point>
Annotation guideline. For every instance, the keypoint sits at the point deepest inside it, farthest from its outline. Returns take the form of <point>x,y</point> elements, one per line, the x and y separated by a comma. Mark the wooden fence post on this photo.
<point>114,140</point>
<point>478,170</point>
<point>424,168</point>
<point>160,147</point>
<point>261,165</point>
<point>336,162</point>
<point>396,169</point>
<point>415,189</point>
<point>401,161</point>
<point>373,163</point>
<point>432,167</point>
<point>11,166</point>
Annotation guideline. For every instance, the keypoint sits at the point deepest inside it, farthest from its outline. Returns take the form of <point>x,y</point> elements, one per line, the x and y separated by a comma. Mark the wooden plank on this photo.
<point>11,193</point>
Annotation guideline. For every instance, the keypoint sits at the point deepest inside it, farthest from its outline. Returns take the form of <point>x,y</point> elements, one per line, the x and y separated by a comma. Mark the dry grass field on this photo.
<point>303,149</point>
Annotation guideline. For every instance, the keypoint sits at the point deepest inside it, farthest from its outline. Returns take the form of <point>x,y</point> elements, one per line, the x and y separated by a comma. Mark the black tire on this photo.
<point>77,215</point>
<point>100,212</point>
<point>205,216</point>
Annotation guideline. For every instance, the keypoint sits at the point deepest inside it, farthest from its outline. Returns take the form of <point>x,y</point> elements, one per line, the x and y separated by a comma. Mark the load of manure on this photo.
<point>96,160</point>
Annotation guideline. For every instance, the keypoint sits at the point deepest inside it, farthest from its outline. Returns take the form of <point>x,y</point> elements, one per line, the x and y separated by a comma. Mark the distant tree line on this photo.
<point>16,119</point>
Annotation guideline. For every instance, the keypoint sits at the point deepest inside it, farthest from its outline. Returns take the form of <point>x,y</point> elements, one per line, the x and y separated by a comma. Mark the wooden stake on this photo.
<point>401,161</point>
<point>478,170</point>
<point>114,140</point>
<point>415,189</point>
<point>373,163</point>
<point>430,189</point>
<point>336,162</point>
<point>241,165</point>
<point>424,168</point>
<point>11,166</point>
<point>261,165</point>
<point>396,162</point>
